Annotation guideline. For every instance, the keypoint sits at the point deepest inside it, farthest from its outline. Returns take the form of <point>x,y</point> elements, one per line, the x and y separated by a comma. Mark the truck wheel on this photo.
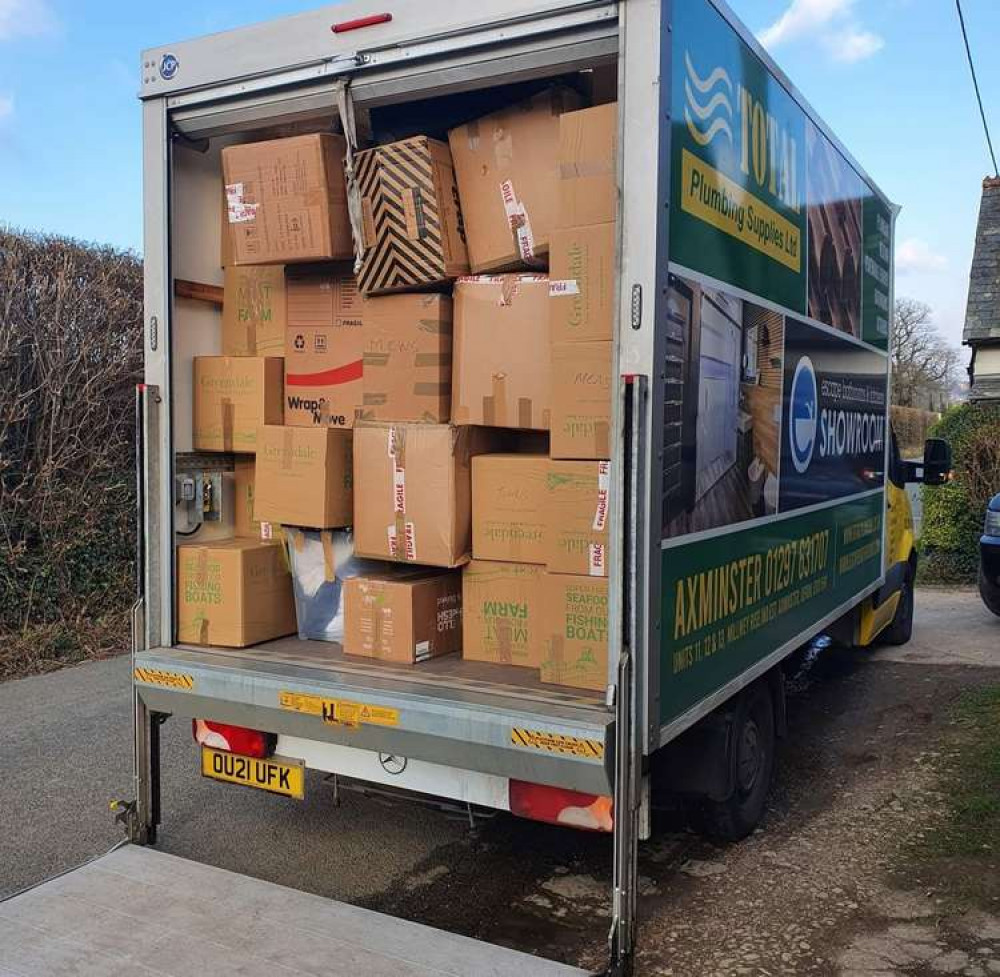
<point>901,628</point>
<point>990,593</point>
<point>753,744</point>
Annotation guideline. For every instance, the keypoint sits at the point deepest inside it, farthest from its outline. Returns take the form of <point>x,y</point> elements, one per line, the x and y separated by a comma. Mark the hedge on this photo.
<point>953,513</point>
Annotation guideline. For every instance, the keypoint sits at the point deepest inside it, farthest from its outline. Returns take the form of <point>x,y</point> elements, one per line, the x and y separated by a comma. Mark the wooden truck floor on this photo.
<point>143,913</point>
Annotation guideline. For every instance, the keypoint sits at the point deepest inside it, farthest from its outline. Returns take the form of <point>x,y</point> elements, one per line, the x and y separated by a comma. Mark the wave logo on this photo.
<point>709,104</point>
<point>803,409</point>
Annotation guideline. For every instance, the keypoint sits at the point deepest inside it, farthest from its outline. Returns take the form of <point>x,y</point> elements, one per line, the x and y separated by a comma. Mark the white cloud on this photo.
<point>833,23</point>
<point>914,255</point>
<point>853,45</point>
<point>6,106</point>
<point>25,18</point>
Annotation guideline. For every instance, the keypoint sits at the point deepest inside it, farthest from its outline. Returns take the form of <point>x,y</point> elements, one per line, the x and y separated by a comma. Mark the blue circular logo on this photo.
<point>803,409</point>
<point>168,66</point>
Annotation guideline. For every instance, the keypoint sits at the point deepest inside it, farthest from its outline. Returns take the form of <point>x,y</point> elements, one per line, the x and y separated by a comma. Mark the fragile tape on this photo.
<point>603,496</point>
<point>597,560</point>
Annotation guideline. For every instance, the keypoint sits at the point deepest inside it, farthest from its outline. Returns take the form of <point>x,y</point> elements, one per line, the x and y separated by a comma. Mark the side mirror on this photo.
<point>937,461</point>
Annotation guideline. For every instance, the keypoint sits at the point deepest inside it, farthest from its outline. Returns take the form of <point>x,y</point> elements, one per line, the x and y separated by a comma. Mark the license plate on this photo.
<point>277,774</point>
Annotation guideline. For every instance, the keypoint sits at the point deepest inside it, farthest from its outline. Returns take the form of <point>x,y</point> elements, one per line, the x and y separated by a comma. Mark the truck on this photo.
<point>756,491</point>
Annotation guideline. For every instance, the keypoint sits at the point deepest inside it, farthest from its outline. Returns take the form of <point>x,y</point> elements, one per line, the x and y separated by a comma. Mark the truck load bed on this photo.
<point>139,911</point>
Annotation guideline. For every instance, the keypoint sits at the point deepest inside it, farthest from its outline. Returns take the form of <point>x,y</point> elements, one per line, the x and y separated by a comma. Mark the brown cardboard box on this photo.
<point>402,614</point>
<point>407,369</point>
<point>508,507</point>
<point>582,287</point>
<point>581,400</point>
<point>286,200</point>
<point>414,492</point>
<point>304,477</point>
<point>253,311</point>
<point>507,167</point>
<point>245,482</point>
<point>234,593</point>
<point>575,642</point>
<point>500,375</point>
<point>233,397</point>
<point>588,166</point>
<point>576,517</point>
<point>502,613</point>
<point>324,347</point>
<point>412,225</point>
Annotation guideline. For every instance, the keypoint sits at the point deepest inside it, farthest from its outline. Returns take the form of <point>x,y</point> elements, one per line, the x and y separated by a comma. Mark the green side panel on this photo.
<point>738,150</point>
<point>876,294</point>
<point>731,599</point>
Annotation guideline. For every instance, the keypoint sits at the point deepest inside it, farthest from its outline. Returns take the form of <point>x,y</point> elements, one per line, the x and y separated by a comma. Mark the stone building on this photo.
<point>982,317</point>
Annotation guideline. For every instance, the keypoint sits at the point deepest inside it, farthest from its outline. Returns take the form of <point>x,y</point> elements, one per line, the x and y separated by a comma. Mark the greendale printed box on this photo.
<point>577,516</point>
<point>509,493</point>
<point>502,613</point>
<point>233,397</point>
<point>304,477</point>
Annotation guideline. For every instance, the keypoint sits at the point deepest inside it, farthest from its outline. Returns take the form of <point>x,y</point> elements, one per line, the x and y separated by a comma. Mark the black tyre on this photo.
<point>901,629</point>
<point>990,593</point>
<point>753,744</point>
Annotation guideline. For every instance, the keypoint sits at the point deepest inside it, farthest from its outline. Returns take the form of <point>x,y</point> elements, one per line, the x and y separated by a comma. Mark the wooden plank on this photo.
<point>142,912</point>
<point>199,291</point>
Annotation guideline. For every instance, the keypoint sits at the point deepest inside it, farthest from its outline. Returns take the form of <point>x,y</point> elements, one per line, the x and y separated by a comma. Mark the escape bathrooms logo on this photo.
<point>803,405</point>
<point>833,442</point>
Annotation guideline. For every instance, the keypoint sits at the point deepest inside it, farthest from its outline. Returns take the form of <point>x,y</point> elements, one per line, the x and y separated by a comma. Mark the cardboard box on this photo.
<point>581,400</point>
<point>507,167</point>
<point>244,523</point>
<point>588,166</point>
<point>575,643</point>
<point>503,613</point>
<point>286,200</point>
<point>253,311</point>
<point>233,593</point>
<point>509,495</point>
<point>582,286</point>
<point>414,492</point>
<point>576,517</point>
<point>304,477</point>
<point>500,376</point>
<point>407,358</point>
<point>403,615</point>
<point>233,397</point>
<point>324,347</point>
<point>412,225</point>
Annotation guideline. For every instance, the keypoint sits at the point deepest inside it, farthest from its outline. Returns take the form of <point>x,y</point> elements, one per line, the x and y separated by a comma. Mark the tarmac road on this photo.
<point>65,752</point>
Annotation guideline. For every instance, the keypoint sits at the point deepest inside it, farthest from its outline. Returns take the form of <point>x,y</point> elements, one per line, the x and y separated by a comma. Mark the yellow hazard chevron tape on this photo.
<point>171,680</point>
<point>536,739</point>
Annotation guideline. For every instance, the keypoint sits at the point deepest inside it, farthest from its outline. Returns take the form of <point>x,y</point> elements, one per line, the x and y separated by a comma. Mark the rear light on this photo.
<point>233,739</point>
<point>353,25</point>
<point>555,805</point>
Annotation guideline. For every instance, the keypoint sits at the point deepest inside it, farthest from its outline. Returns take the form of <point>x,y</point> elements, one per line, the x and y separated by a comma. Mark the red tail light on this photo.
<point>555,805</point>
<point>233,739</point>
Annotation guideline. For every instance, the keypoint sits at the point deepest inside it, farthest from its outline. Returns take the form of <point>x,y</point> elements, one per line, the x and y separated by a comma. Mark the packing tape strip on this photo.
<point>228,423</point>
<point>505,642</point>
<point>588,167</point>
<point>329,559</point>
<point>287,437</point>
<point>557,654</point>
<point>525,412</point>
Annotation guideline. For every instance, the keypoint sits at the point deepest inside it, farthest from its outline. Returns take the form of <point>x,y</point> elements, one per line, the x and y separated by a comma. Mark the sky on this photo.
<point>888,76</point>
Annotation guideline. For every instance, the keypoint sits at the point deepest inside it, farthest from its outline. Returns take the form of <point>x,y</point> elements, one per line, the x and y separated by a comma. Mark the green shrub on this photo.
<point>953,513</point>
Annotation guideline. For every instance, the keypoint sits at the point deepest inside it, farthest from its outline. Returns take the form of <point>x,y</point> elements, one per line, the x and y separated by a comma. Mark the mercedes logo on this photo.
<point>392,764</point>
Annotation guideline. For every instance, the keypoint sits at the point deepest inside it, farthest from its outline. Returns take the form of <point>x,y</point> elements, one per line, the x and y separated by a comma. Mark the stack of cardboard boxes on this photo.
<point>412,402</point>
